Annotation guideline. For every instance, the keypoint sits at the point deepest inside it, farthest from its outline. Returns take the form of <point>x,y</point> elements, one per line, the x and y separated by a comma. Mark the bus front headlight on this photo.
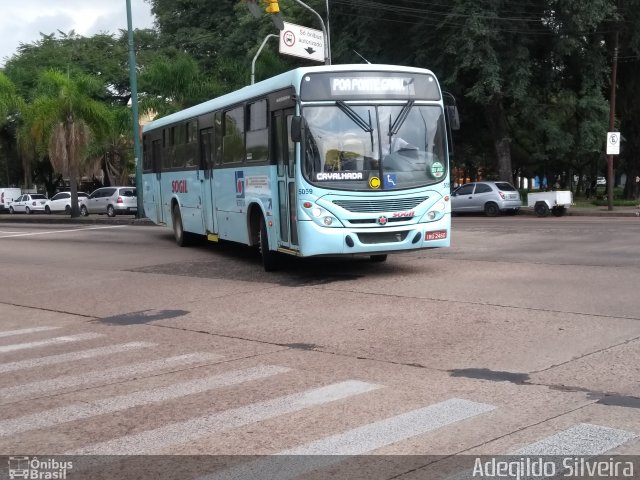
<point>321,216</point>
<point>437,211</point>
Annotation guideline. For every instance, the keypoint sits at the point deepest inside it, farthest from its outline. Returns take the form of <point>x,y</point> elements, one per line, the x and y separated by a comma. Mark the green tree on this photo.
<point>61,120</point>
<point>10,104</point>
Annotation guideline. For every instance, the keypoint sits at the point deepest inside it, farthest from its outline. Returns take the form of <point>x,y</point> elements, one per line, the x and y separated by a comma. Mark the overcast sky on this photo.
<point>21,21</point>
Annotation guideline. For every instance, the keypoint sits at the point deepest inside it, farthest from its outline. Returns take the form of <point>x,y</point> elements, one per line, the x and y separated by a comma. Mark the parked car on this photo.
<point>28,203</point>
<point>110,200</point>
<point>488,197</point>
<point>61,202</point>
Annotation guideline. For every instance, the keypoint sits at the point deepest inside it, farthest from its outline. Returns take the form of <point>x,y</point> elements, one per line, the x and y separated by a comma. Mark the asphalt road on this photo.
<point>523,337</point>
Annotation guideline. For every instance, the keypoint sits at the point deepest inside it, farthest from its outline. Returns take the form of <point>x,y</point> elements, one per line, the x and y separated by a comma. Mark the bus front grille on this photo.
<point>382,237</point>
<point>380,206</point>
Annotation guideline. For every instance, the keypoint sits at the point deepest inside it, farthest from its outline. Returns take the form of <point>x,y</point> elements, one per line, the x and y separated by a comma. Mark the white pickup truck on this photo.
<point>8,195</point>
<point>555,202</point>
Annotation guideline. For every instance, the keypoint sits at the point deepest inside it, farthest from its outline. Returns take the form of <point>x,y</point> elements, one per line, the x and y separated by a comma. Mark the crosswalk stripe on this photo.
<point>581,439</point>
<point>100,376</point>
<point>24,331</point>
<point>50,341</point>
<point>358,441</point>
<point>182,432</point>
<point>79,411</point>
<point>71,356</point>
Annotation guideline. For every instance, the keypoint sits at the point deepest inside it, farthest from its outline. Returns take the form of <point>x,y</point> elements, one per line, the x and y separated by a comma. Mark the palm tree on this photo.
<point>62,119</point>
<point>113,153</point>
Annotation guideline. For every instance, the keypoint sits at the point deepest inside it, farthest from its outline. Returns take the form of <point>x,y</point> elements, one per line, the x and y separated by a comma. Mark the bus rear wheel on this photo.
<point>269,258</point>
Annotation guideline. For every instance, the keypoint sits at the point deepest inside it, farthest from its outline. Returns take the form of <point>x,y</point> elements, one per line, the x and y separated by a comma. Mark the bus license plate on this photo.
<point>437,235</point>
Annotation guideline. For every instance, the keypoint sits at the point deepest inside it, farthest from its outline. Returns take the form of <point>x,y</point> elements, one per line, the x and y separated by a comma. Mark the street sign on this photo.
<point>302,42</point>
<point>613,143</point>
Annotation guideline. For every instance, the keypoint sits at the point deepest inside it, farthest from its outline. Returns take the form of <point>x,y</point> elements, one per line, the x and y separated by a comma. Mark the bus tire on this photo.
<point>378,258</point>
<point>182,238</point>
<point>269,258</point>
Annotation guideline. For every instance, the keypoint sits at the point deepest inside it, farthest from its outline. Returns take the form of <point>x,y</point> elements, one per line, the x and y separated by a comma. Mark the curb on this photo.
<point>61,219</point>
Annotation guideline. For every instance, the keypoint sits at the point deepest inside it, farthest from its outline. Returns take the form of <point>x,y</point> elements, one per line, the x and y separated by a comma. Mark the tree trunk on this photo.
<point>497,122</point>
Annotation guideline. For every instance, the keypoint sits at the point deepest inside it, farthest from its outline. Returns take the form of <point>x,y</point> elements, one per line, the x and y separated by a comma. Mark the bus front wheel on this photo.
<point>269,258</point>
<point>178,229</point>
<point>378,258</point>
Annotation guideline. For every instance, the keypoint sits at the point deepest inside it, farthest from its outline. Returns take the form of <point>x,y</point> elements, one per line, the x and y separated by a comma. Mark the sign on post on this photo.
<point>302,42</point>
<point>613,143</point>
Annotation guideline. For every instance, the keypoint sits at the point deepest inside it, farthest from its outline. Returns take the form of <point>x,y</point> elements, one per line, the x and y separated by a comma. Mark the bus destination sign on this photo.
<point>372,85</point>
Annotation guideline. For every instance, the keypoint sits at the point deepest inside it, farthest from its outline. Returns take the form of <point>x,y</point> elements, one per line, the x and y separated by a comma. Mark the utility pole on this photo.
<point>133,78</point>
<point>612,121</point>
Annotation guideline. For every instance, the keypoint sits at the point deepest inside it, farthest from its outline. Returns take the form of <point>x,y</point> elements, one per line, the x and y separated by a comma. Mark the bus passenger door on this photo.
<point>284,150</point>
<point>152,185</point>
<point>206,164</point>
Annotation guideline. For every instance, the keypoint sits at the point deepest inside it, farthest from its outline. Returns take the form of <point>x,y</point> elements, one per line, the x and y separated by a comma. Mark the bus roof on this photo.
<point>284,80</point>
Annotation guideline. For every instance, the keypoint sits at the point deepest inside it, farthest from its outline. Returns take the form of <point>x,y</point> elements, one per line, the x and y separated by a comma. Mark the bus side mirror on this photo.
<point>453,117</point>
<point>296,128</point>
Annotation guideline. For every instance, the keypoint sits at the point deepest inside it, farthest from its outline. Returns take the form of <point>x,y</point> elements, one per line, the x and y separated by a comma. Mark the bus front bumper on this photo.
<point>317,240</point>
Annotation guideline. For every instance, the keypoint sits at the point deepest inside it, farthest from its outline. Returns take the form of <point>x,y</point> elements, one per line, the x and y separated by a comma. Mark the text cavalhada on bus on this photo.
<point>328,160</point>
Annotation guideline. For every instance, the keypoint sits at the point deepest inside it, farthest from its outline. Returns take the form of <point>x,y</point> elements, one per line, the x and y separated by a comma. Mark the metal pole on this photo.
<point>612,122</point>
<point>253,62</point>
<point>328,35</point>
<point>327,59</point>
<point>137,154</point>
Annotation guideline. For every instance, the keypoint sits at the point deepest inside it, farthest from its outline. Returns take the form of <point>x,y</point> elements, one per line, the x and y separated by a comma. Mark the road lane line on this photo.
<point>331,450</point>
<point>24,331</point>
<point>72,356</point>
<point>102,376</point>
<point>183,432</point>
<point>61,231</point>
<point>51,341</point>
<point>581,439</point>
<point>83,410</point>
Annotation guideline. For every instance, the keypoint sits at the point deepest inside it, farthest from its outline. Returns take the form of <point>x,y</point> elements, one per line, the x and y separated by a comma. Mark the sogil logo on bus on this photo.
<point>179,186</point>
<point>410,213</point>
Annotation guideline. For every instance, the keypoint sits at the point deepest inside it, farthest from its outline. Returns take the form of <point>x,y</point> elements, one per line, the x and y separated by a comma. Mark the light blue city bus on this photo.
<point>327,160</point>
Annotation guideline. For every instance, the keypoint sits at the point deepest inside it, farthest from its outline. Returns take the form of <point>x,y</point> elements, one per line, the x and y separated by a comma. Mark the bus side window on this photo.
<point>291,148</point>
<point>233,142</point>
<point>277,135</point>
<point>206,148</point>
<point>217,138</point>
<point>258,133</point>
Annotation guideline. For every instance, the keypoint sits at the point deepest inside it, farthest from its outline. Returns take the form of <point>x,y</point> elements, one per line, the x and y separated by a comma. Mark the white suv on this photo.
<point>110,200</point>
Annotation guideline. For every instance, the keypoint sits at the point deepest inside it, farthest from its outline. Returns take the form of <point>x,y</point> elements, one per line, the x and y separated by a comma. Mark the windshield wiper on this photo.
<point>357,119</point>
<point>402,116</point>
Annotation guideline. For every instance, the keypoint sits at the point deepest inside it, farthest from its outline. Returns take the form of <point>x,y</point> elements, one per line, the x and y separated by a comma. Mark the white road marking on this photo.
<point>581,439</point>
<point>190,430</point>
<point>79,411</point>
<point>24,331</point>
<point>50,341</point>
<point>61,231</point>
<point>71,356</point>
<point>100,376</point>
<point>331,450</point>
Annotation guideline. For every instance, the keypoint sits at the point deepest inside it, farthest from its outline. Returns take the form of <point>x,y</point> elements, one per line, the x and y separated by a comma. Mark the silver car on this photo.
<point>110,200</point>
<point>492,198</point>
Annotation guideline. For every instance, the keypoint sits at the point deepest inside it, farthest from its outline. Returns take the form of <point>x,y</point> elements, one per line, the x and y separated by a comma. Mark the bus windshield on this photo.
<point>365,147</point>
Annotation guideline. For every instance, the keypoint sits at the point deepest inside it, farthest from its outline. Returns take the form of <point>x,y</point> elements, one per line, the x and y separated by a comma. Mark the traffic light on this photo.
<point>273,9</point>
<point>272,6</point>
